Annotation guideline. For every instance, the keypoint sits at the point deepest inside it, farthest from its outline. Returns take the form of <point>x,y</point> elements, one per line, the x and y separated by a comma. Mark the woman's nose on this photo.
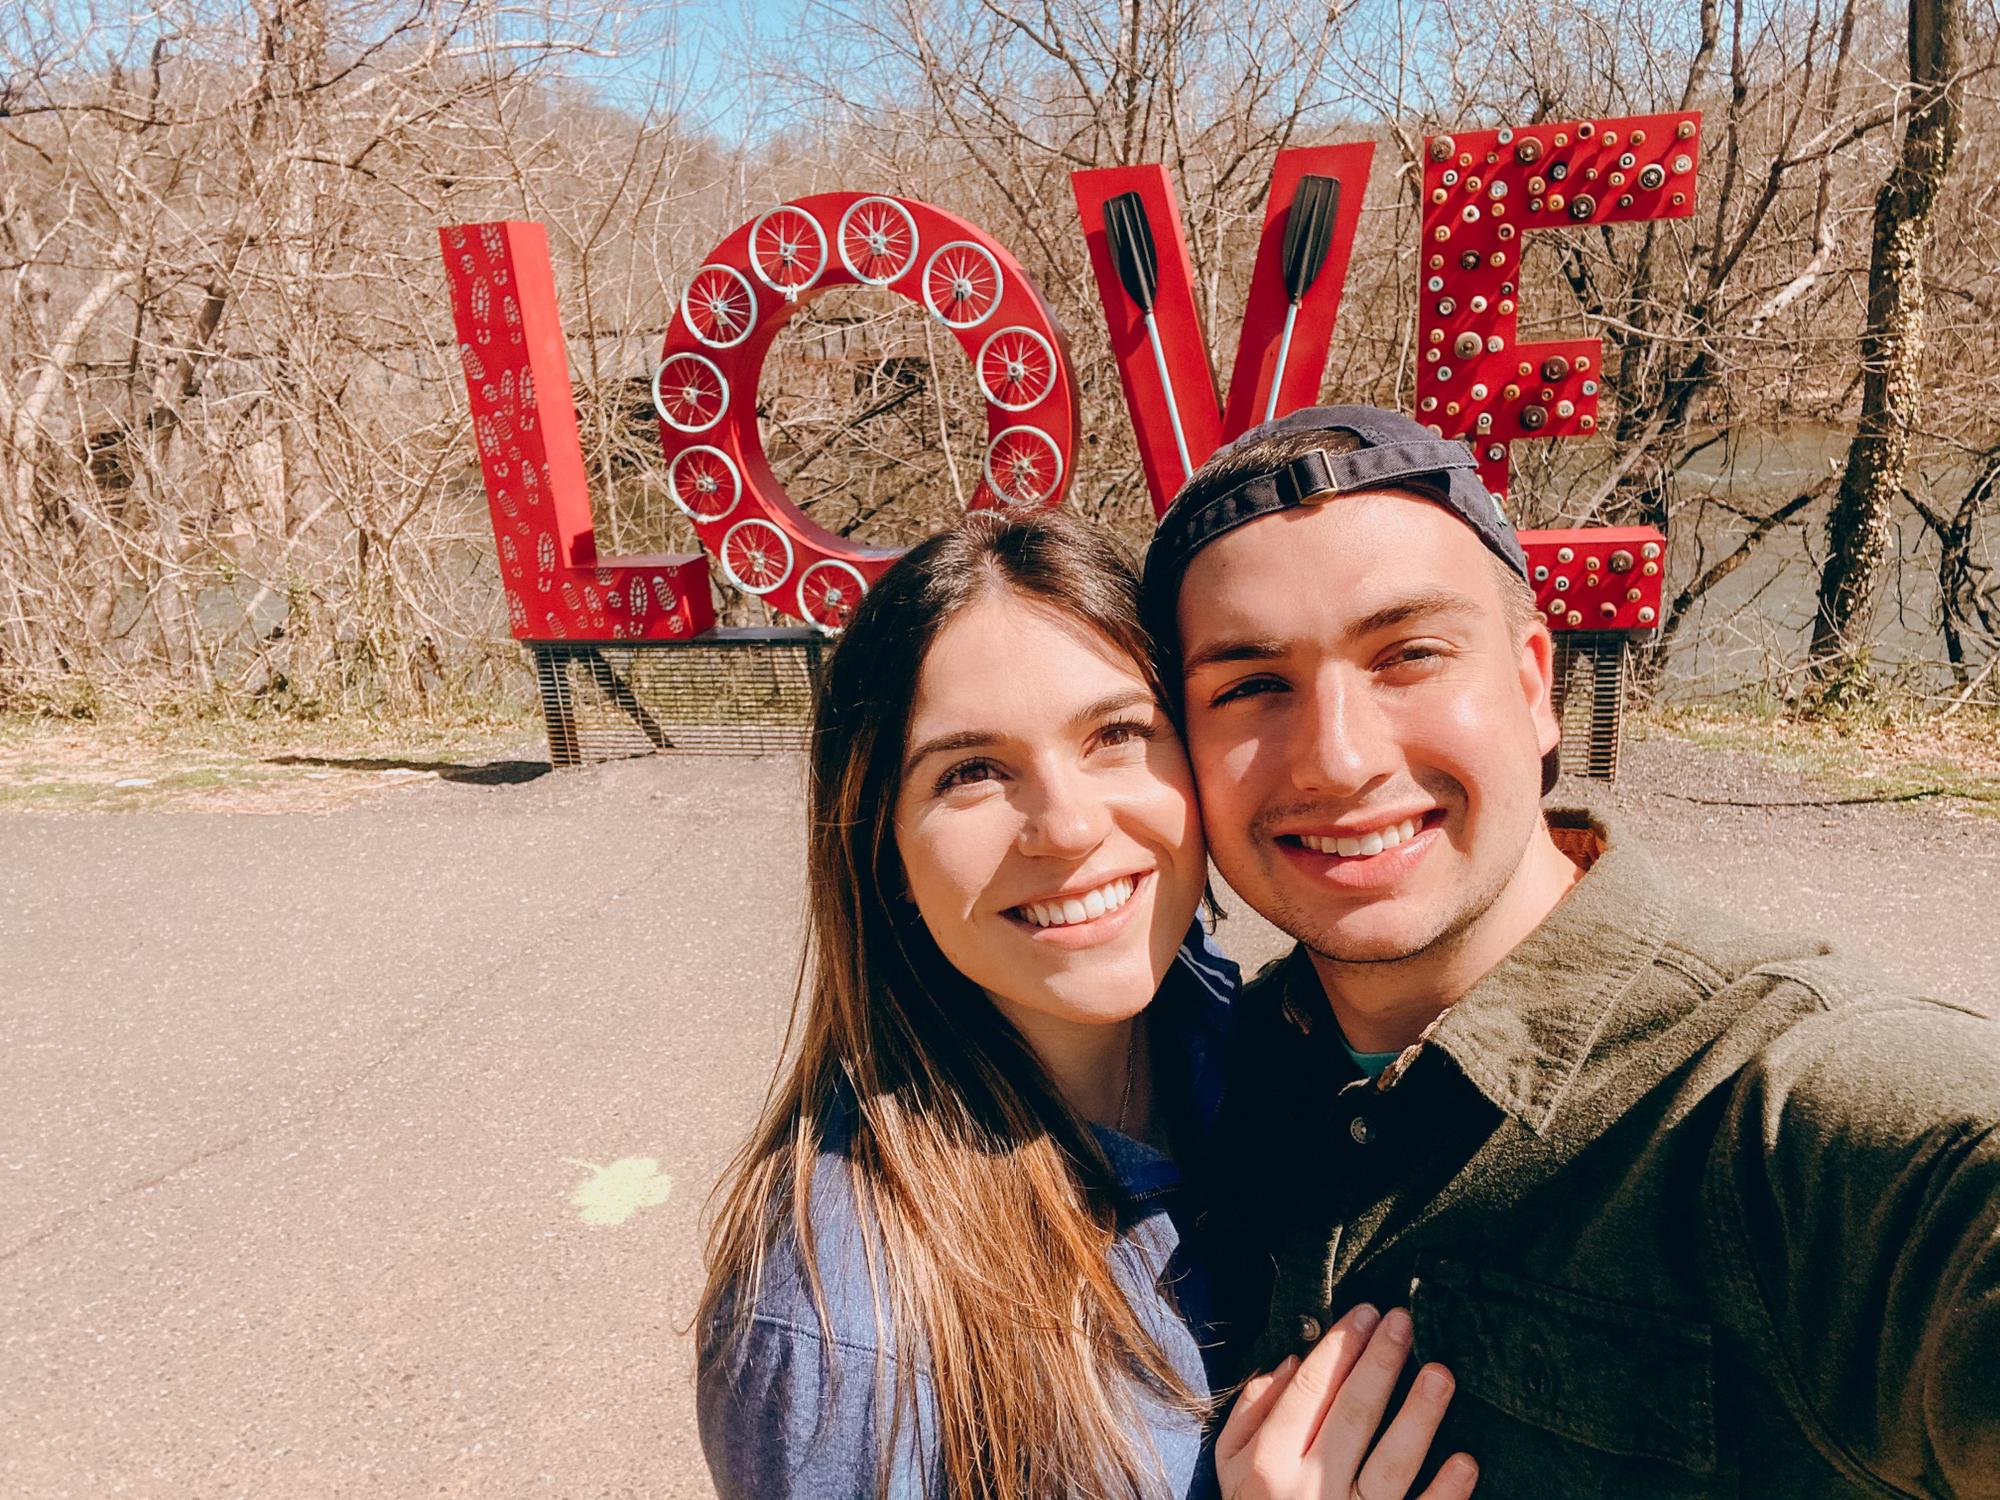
<point>1063,816</point>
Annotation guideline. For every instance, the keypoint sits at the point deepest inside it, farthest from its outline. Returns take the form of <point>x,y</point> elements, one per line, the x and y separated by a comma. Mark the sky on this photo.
<point>694,49</point>
<point>698,49</point>
<point>704,54</point>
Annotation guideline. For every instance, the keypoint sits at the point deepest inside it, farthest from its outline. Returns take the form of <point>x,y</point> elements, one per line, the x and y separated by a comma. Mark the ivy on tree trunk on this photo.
<point>1859,529</point>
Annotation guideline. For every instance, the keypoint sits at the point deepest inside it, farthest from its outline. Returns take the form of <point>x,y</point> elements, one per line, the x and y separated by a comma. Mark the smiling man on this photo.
<point>1688,1209</point>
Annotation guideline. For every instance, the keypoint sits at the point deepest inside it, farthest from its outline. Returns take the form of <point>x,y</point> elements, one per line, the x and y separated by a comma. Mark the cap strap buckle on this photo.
<point>1307,480</point>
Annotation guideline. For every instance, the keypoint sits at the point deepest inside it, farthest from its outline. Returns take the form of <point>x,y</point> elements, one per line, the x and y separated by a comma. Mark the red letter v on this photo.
<point>1133,228</point>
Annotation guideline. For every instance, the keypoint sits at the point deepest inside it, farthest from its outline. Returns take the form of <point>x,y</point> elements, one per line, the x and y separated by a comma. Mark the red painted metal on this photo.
<point>1597,577</point>
<point>1205,424</point>
<point>1176,317</point>
<point>1264,310</point>
<point>1484,191</point>
<point>503,298</point>
<point>751,285</point>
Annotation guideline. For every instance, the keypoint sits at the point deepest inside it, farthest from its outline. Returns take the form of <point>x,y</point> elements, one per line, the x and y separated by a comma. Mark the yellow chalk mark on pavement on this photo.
<point>614,1193</point>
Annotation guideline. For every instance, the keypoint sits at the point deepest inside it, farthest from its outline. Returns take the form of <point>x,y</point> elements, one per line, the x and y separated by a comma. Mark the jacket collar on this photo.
<point>1562,1010</point>
<point>1555,1010</point>
<point>1189,1020</point>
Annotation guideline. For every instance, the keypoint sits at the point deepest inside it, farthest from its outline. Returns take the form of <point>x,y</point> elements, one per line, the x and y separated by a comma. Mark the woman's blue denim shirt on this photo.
<point>785,1414</point>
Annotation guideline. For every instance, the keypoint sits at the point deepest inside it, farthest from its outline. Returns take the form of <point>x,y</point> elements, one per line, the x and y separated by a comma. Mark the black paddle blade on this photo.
<point>1309,231</point>
<point>1132,247</point>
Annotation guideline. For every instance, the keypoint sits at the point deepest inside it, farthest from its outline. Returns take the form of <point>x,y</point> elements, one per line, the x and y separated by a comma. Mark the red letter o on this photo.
<point>704,388</point>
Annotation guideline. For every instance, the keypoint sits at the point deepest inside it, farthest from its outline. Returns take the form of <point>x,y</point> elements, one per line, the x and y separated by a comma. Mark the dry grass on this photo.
<point>280,764</point>
<point>258,765</point>
<point>1886,753</point>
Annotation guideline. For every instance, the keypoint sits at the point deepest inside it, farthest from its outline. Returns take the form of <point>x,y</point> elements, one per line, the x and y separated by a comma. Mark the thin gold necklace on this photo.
<point>1131,1071</point>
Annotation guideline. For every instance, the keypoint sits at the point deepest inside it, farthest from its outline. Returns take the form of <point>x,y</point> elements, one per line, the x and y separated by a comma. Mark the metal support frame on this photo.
<point>750,691</point>
<point>1590,686</point>
<point>725,692</point>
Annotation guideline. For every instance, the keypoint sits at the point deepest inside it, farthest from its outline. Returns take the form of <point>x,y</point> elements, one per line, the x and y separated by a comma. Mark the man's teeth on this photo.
<point>1085,908</point>
<point>1374,843</point>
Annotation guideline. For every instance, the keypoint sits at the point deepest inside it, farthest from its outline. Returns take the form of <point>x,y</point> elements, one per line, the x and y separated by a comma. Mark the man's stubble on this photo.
<point>1323,941</point>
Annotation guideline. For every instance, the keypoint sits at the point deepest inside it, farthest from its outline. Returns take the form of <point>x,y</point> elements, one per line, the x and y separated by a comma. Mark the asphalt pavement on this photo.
<point>364,1152</point>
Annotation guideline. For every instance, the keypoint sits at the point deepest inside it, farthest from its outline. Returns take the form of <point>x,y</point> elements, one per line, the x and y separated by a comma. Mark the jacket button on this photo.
<point>1308,1329</point>
<point>1362,1131</point>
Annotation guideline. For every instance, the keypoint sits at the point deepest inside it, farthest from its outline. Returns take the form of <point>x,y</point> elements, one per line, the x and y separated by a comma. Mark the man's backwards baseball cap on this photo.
<point>1392,452</point>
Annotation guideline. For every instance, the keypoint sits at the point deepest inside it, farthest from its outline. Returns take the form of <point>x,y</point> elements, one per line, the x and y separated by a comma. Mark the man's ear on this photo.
<point>1538,682</point>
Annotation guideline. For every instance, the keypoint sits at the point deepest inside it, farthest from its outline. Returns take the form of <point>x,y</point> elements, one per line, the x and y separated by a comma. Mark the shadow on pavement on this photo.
<point>486,773</point>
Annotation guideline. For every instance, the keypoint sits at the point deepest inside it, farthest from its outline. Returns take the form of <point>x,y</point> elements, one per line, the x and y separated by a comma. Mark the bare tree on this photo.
<point>231,445</point>
<point>233,464</point>
<point>1858,539</point>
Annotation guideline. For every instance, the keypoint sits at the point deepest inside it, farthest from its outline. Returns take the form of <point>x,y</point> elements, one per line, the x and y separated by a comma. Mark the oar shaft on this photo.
<point>1167,385</point>
<point>1284,352</point>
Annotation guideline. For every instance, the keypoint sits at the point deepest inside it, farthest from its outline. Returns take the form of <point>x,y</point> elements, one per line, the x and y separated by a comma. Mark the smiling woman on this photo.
<point>1009,1018</point>
<point>956,1257</point>
<point>1047,831</point>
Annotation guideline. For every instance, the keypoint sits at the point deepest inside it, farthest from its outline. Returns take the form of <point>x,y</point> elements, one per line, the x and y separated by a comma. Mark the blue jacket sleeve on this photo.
<point>785,1414</point>
<point>790,1408</point>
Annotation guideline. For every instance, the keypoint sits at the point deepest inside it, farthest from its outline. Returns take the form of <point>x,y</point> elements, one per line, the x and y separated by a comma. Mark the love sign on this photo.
<point>1476,378</point>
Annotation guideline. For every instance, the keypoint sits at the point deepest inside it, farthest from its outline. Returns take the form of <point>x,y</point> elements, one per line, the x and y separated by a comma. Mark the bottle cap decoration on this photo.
<point>1482,264</point>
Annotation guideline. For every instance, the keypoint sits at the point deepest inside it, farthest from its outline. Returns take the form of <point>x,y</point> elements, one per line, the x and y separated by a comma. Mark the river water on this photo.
<point>1749,633</point>
<point>1752,630</point>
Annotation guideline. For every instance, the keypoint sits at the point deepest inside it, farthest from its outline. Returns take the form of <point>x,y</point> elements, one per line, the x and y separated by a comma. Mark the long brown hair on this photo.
<point>1034,1357</point>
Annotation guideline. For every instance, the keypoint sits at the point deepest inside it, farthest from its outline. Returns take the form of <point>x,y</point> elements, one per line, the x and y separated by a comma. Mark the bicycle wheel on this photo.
<point>787,249</point>
<point>828,593</point>
<point>689,392</point>
<point>756,556</point>
<point>1017,368</point>
<point>704,483</point>
<point>962,284</point>
<point>719,306</point>
<point>878,240</point>
<point>1023,466</point>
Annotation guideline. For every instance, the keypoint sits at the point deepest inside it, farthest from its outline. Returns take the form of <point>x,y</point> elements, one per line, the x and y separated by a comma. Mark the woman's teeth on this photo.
<point>1085,908</point>
<point>1374,843</point>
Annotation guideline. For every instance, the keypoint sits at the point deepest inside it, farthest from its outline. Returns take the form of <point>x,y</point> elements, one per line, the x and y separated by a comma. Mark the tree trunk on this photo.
<point>1858,531</point>
<point>1963,606</point>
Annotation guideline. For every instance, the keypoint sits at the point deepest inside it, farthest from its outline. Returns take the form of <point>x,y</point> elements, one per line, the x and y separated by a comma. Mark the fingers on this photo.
<point>1302,1406</point>
<point>1356,1410</point>
<point>1454,1481</point>
<point>1393,1465</point>
<point>1253,1405</point>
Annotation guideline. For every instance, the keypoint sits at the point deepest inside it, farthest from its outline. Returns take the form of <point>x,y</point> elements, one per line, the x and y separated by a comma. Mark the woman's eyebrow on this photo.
<point>979,739</point>
<point>960,739</point>
<point>1111,703</point>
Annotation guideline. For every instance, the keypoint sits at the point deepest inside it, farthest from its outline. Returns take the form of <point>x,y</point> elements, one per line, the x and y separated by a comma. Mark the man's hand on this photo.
<point>1303,1431</point>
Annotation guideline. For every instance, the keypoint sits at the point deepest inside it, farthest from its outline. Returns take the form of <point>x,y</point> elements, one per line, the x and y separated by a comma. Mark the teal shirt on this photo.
<point>1371,1064</point>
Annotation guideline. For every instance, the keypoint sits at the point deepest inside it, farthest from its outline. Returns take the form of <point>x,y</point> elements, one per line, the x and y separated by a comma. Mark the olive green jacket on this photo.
<point>1688,1209</point>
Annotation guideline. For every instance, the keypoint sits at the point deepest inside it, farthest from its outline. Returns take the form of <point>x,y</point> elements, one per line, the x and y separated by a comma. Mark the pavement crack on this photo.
<point>1877,799</point>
